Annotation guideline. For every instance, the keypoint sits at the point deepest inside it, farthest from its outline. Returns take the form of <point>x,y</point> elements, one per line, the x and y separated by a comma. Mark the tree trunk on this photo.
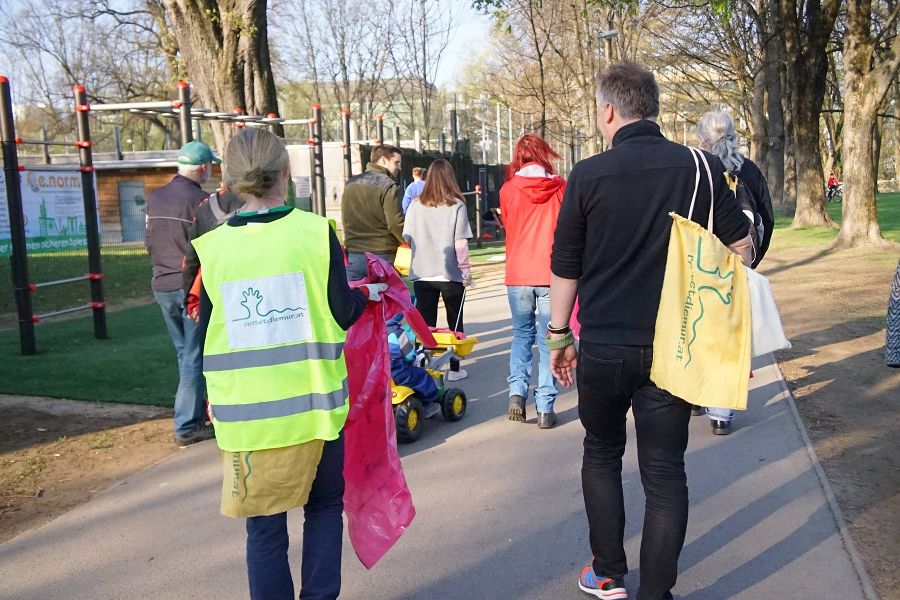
<point>806,39</point>
<point>895,122</point>
<point>225,48</point>
<point>758,143</point>
<point>790,164</point>
<point>897,142</point>
<point>877,129</point>
<point>864,88</point>
<point>772,62</point>
<point>775,135</point>
<point>859,224</point>
<point>810,211</point>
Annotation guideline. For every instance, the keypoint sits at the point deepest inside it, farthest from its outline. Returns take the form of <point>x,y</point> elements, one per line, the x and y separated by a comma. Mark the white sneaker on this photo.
<point>456,375</point>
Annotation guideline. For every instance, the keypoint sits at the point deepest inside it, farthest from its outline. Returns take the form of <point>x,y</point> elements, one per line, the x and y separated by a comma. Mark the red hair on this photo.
<point>531,149</point>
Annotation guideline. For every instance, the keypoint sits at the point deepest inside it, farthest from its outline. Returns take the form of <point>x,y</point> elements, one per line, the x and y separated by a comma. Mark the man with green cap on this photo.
<point>171,210</point>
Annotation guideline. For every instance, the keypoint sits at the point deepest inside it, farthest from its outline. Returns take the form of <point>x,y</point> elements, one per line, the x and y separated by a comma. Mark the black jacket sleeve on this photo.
<point>191,260</point>
<point>571,231</point>
<point>346,303</point>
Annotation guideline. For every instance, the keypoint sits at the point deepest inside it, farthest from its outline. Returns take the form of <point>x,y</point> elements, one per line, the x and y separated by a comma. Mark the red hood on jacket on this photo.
<point>537,189</point>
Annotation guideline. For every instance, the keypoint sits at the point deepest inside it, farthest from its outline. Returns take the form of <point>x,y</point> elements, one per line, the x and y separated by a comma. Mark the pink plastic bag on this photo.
<point>574,323</point>
<point>377,500</point>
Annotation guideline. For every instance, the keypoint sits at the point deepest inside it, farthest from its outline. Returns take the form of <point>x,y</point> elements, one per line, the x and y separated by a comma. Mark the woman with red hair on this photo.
<point>529,205</point>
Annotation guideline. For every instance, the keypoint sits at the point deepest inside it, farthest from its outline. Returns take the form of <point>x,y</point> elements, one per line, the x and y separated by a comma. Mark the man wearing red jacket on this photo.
<point>529,204</point>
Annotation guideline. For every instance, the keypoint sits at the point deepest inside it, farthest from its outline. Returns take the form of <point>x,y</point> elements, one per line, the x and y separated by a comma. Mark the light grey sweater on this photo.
<point>432,233</point>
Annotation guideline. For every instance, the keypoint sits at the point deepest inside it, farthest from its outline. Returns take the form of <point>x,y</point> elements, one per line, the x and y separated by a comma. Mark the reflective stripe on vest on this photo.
<point>266,357</point>
<point>233,413</point>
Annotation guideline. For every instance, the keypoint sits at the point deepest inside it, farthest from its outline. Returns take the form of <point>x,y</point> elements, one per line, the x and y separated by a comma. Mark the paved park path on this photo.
<point>500,512</point>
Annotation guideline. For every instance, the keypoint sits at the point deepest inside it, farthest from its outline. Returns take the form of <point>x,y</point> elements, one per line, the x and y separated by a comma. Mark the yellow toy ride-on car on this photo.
<point>408,410</point>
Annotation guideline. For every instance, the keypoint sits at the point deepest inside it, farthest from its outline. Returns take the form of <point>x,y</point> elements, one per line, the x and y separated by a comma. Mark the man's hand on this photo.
<point>563,363</point>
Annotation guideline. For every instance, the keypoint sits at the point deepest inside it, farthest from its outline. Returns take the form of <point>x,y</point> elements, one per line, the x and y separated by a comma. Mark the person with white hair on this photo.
<point>716,135</point>
<point>171,210</point>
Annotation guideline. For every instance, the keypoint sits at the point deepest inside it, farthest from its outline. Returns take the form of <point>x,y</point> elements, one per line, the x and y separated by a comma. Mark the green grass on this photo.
<point>489,249</point>
<point>136,365</point>
<point>888,219</point>
<point>127,276</point>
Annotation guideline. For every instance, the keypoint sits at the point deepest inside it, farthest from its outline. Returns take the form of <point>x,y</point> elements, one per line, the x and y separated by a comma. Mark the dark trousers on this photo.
<point>427,295</point>
<point>267,539</point>
<point>610,380</point>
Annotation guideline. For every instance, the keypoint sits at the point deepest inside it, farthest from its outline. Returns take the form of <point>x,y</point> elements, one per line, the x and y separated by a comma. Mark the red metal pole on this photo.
<point>311,143</point>
<point>91,214</point>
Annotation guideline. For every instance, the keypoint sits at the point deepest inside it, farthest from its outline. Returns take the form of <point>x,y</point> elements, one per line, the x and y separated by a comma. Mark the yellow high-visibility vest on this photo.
<point>273,357</point>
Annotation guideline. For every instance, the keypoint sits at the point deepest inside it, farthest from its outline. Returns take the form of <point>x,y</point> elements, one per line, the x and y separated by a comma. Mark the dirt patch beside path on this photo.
<point>833,306</point>
<point>56,454</point>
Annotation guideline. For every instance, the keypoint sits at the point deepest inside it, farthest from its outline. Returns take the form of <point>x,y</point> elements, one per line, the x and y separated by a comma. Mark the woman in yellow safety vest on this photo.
<point>275,306</point>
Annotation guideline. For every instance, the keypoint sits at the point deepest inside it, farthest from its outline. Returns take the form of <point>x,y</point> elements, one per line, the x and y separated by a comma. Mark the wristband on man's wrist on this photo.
<point>558,330</point>
<point>562,342</point>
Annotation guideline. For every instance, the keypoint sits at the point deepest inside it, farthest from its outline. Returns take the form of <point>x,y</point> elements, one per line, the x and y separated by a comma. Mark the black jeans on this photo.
<point>610,380</point>
<point>427,295</point>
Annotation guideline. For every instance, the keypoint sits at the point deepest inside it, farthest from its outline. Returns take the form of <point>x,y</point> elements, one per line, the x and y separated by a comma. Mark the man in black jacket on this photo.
<point>170,213</point>
<point>610,247</point>
<point>371,211</point>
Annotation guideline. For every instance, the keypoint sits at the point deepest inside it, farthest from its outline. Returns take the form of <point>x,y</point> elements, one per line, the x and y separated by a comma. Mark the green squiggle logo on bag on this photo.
<point>688,302</point>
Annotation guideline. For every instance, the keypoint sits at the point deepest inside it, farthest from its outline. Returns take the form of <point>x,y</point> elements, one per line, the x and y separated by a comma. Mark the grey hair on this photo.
<point>189,171</point>
<point>631,89</point>
<point>716,132</point>
<point>255,160</point>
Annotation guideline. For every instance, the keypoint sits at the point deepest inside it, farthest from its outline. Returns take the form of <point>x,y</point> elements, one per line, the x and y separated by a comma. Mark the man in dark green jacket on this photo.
<point>371,212</point>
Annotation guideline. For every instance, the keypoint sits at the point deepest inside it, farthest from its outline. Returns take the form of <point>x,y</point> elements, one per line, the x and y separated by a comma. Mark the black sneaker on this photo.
<point>696,411</point>
<point>516,408</point>
<point>607,588</point>
<point>204,432</point>
<point>720,427</point>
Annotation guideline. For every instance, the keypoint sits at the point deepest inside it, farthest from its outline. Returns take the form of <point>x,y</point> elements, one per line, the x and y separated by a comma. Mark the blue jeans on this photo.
<point>190,403</point>
<point>720,414</point>
<point>358,268</point>
<point>268,569</point>
<point>524,301</point>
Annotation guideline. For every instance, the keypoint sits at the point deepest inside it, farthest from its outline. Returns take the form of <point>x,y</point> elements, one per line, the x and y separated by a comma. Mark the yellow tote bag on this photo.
<point>403,260</point>
<point>701,348</point>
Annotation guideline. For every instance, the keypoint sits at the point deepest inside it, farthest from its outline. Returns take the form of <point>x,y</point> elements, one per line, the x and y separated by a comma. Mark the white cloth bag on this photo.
<point>768,334</point>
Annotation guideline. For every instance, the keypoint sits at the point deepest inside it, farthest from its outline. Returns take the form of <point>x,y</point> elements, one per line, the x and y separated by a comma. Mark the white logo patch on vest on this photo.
<point>266,311</point>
